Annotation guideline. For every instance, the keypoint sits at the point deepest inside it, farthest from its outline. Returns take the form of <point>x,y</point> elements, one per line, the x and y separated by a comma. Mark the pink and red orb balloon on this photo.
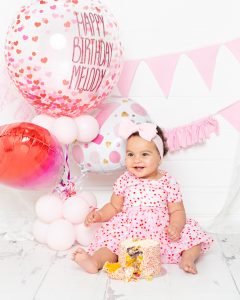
<point>30,157</point>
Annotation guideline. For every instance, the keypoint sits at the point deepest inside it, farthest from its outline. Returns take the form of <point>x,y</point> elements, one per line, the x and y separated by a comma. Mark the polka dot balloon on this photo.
<point>106,152</point>
<point>64,56</point>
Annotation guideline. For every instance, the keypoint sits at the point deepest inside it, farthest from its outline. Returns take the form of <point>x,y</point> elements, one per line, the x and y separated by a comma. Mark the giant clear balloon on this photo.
<point>64,56</point>
<point>30,158</point>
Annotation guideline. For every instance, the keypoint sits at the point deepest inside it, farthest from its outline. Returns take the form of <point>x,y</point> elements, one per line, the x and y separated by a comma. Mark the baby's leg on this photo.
<point>93,263</point>
<point>189,258</point>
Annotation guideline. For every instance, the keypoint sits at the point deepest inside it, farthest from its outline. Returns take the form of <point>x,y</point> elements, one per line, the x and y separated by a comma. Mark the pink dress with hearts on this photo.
<point>145,215</point>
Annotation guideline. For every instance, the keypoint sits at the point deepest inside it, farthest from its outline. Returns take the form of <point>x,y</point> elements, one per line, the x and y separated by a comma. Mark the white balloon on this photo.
<point>88,128</point>
<point>61,235</point>
<point>75,209</point>
<point>49,208</point>
<point>89,198</point>
<point>44,121</point>
<point>84,235</point>
<point>65,130</point>
<point>39,231</point>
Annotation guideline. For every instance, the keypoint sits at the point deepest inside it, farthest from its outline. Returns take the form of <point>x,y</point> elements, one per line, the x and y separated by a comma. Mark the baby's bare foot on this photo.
<point>84,260</point>
<point>188,265</point>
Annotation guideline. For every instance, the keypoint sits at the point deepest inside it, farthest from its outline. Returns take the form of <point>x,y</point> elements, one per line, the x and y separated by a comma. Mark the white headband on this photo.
<point>147,131</point>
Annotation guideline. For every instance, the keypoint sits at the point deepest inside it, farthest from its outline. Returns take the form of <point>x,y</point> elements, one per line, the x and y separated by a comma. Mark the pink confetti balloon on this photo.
<point>64,56</point>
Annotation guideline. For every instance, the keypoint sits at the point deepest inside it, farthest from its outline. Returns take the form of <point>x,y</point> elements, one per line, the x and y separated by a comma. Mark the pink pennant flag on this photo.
<point>234,47</point>
<point>163,68</point>
<point>127,75</point>
<point>232,114</point>
<point>204,60</point>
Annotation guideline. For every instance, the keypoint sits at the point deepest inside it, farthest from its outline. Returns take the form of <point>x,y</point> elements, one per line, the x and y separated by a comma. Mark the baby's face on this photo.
<point>142,158</point>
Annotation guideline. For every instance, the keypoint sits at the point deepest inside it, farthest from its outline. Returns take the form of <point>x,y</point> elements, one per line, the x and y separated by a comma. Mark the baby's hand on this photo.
<point>173,232</point>
<point>93,217</point>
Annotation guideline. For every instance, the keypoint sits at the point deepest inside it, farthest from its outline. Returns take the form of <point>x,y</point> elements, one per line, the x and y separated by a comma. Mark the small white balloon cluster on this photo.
<point>67,130</point>
<point>60,222</point>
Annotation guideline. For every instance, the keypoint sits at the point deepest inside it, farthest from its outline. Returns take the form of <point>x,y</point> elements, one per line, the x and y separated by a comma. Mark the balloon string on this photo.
<point>70,189</point>
<point>66,188</point>
<point>67,164</point>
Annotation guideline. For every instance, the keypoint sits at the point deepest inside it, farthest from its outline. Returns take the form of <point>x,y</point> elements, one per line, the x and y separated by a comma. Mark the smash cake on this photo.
<point>137,259</point>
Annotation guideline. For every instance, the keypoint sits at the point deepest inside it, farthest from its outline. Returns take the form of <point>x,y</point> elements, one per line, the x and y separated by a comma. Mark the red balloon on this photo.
<point>30,157</point>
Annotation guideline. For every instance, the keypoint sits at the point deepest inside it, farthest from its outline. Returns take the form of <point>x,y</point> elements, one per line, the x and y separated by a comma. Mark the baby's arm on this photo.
<point>177,220</point>
<point>106,212</point>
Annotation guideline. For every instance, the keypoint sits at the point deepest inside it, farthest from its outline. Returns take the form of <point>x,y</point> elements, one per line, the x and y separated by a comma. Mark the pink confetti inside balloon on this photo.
<point>64,56</point>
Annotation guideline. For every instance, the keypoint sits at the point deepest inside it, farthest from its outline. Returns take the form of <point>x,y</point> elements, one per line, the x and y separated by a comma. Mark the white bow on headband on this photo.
<point>147,131</point>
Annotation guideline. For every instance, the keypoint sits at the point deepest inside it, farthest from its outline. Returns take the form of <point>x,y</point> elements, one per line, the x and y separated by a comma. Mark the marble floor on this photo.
<point>30,271</point>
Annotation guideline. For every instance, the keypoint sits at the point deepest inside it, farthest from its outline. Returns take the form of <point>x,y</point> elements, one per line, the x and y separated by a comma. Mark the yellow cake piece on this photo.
<point>111,267</point>
<point>137,259</point>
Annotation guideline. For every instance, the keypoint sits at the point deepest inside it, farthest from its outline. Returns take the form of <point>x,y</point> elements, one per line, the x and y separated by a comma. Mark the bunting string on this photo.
<point>163,66</point>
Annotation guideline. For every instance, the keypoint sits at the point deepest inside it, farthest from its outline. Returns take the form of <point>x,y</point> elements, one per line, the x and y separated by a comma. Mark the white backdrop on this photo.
<point>208,173</point>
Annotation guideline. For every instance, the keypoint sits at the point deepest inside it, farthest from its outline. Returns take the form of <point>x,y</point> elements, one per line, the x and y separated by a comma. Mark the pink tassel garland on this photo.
<point>191,134</point>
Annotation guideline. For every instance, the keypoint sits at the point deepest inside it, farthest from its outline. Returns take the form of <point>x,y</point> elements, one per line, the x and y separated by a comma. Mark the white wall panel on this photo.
<point>158,27</point>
